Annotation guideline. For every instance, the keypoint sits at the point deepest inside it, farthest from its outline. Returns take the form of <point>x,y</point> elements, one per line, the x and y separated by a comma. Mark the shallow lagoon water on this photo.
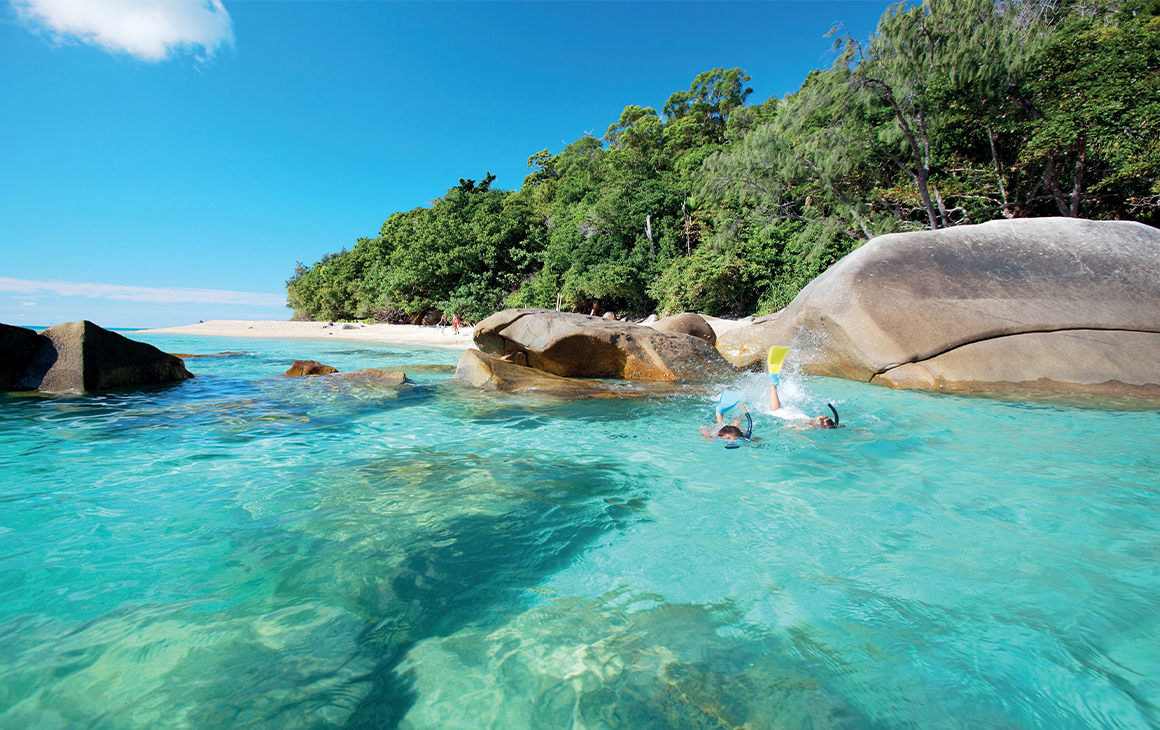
<point>247,550</point>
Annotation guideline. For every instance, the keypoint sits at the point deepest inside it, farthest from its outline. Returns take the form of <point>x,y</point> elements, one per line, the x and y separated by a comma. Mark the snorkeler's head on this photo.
<point>730,433</point>
<point>823,422</point>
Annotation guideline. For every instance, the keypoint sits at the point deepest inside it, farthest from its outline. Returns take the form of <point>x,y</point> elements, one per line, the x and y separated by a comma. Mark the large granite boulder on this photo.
<point>491,373</point>
<point>577,345</point>
<point>1047,304</point>
<point>80,356</point>
<point>17,348</point>
<point>746,344</point>
<point>687,323</point>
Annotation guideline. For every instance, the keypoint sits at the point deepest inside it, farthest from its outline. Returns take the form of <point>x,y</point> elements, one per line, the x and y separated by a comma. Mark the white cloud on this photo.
<point>147,29</point>
<point>142,293</point>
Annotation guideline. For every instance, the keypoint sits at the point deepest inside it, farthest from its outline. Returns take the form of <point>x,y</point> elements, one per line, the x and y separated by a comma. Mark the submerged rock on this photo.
<point>1054,304</point>
<point>78,357</point>
<point>577,345</point>
<point>309,367</point>
<point>377,376</point>
<point>687,323</point>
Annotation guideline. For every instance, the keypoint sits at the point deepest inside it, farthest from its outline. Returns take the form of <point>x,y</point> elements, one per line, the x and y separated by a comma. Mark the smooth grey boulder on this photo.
<point>687,323</point>
<point>933,298</point>
<point>1106,362</point>
<point>579,346</point>
<point>78,357</point>
<point>17,348</point>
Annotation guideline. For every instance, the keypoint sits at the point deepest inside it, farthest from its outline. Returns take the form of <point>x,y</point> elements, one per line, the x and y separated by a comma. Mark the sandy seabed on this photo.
<point>270,329</point>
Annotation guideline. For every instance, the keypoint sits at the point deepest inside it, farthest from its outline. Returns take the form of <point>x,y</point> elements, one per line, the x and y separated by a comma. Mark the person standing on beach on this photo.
<point>455,324</point>
<point>442,324</point>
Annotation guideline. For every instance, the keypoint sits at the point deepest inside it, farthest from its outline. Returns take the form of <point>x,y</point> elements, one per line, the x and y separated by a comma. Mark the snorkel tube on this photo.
<point>833,410</point>
<point>727,401</point>
<point>734,443</point>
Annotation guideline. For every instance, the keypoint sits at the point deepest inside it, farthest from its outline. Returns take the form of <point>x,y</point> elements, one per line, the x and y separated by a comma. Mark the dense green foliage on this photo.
<point>954,112</point>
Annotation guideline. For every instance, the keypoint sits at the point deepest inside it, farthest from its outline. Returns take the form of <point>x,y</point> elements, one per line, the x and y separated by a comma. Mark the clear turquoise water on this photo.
<point>250,551</point>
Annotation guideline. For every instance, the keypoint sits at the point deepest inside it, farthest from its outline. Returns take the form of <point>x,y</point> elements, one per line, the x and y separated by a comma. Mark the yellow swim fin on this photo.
<point>776,357</point>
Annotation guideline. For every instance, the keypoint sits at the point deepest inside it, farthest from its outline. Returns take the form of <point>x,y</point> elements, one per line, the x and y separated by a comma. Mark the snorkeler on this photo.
<point>794,414</point>
<point>773,362</point>
<point>731,433</point>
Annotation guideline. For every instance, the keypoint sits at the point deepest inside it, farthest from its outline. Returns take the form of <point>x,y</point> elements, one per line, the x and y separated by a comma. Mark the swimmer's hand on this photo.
<point>774,379</point>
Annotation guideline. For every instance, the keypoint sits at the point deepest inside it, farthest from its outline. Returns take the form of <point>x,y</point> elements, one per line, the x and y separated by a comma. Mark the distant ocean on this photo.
<point>41,327</point>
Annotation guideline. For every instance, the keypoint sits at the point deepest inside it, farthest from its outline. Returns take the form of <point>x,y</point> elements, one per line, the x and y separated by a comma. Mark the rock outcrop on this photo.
<point>1045,304</point>
<point>78,357</point>
<point>309,367</point>
<point>491,373</point>
<point>1076,361</point>
<point>687,323</point>
<point>745,346</point>
<point>17,348</point>
<point>577,345</point>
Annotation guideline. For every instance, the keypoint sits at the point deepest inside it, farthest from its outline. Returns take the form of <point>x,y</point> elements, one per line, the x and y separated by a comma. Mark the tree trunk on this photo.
<point>921,178</point>
<point>998,176</point>
<point>1077,187</point>
<point>942,208</point>
<point>1052,178</point>
<point>648,232</point>
<point>921,171</point>
<point>1049,173</point>
<point>688,228</point>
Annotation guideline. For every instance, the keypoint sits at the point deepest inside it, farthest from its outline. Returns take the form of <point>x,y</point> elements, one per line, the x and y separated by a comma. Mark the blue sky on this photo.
<point>168,161</point>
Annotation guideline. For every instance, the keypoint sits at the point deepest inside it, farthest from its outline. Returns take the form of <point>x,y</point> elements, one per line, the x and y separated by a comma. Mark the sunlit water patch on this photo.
<point>249,550</point>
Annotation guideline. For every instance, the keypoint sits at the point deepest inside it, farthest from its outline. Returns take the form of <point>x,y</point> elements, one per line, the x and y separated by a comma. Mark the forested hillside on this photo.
<point>954,112</point>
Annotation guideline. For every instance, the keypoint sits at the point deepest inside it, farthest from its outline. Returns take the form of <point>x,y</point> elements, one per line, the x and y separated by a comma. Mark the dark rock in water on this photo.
<point>310,367</point>
<point>77,357</point>
<point>17,348</point>
<point>377,376</point>
<point>577,345</point>
<point>687,324</point>
<point>1047,304</point>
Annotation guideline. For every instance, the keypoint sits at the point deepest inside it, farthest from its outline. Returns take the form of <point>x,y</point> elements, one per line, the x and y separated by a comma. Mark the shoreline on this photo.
<point>349,331</point>
<point>355,331</point>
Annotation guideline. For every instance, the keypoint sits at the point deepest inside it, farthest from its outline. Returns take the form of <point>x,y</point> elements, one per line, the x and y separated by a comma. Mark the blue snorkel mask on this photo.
<point>727,401</point>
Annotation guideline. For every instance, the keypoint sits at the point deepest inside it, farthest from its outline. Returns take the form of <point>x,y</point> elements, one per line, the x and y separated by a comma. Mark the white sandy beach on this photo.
<point>409,333</point>
<point>270,329</point>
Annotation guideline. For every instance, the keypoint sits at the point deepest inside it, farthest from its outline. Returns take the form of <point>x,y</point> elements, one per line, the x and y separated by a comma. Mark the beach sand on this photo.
<point>409,333</point>
<point>269,329</point>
